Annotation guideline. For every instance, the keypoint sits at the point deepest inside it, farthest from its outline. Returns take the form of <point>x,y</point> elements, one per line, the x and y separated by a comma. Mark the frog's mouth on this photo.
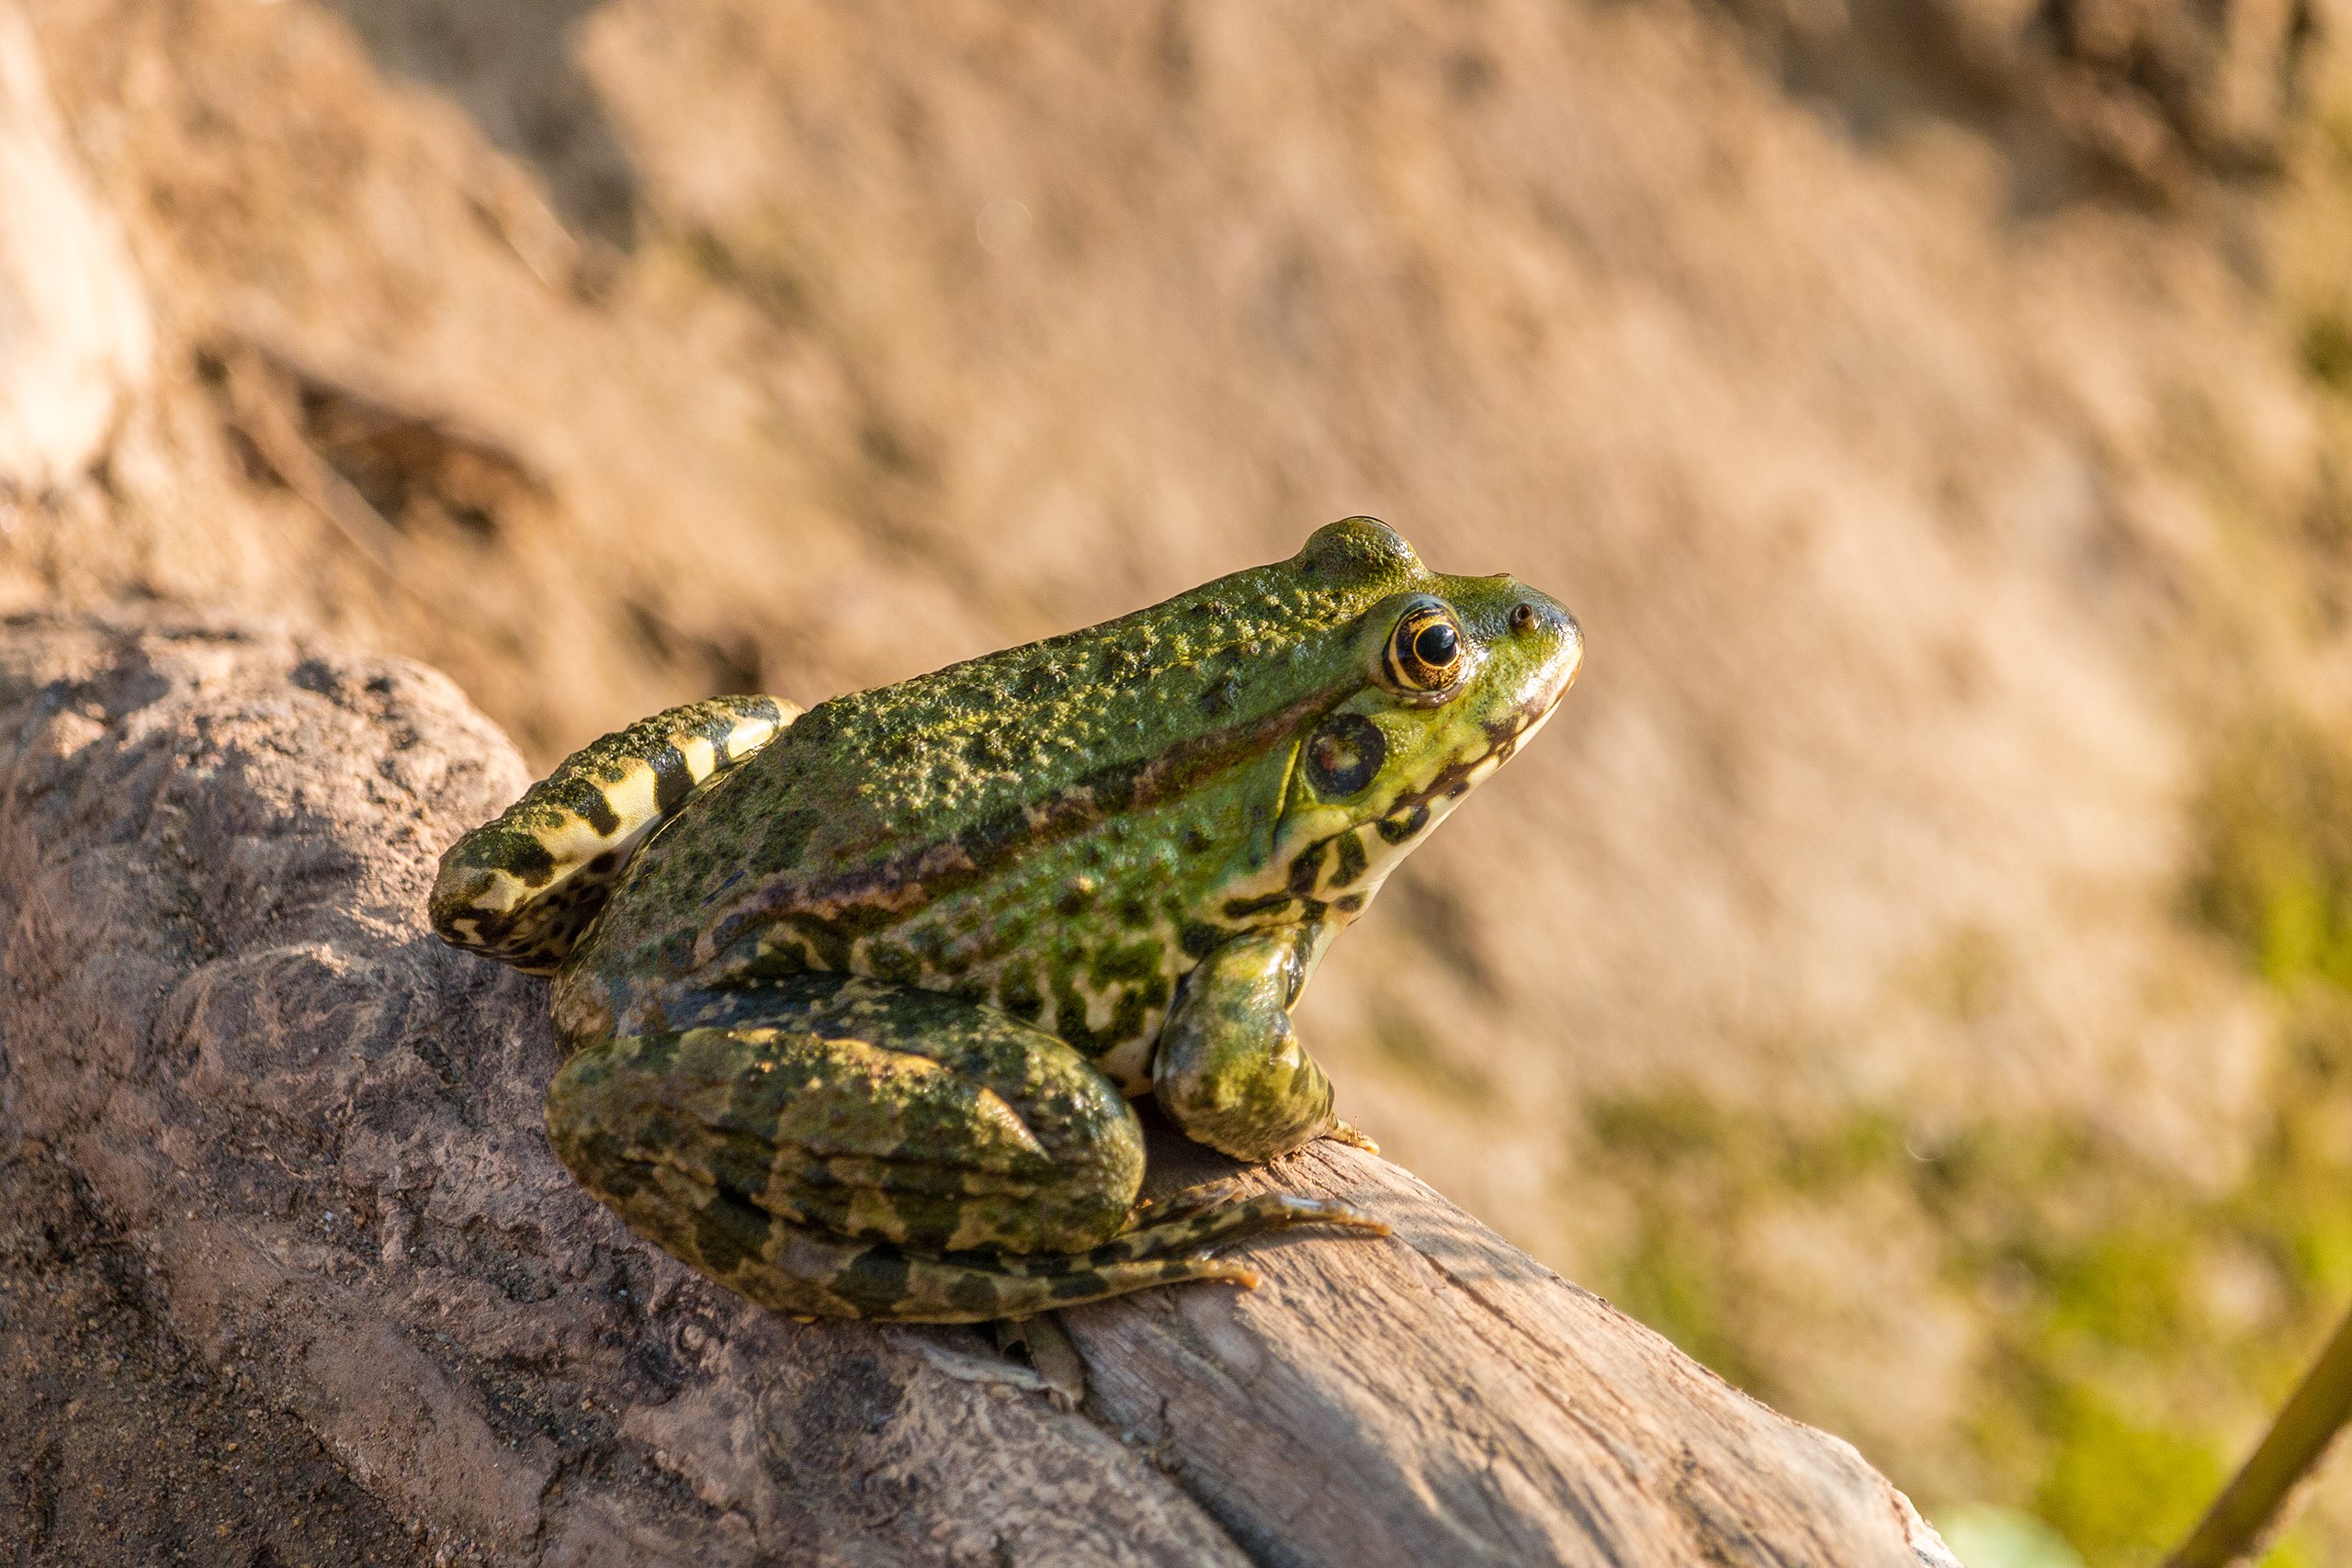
<point>1414,811</point>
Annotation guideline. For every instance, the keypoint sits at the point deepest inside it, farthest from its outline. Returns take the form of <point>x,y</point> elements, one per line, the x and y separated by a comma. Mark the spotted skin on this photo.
<point>524,888</point>
<point>854,1034</point>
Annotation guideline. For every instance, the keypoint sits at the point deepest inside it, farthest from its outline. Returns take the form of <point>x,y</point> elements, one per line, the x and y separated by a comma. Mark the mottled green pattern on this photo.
<point>881,1152</point>
<point>853,1031</point>
<point>1229,1067</point>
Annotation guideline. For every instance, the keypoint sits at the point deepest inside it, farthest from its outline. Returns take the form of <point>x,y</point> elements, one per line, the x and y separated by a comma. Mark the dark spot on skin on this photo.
<point>600,1152</point>
<point>987,749</point>
<point>1075,900</point>
<point>1351,904</point>
<point>1306,869</point>
<point>1398,829</point>
<point>529,859</point>
<point>1352,861</point>
<point>890,961</point>
<point>1200,938</point>
<point>875,1280</point>
<point>1135,964</point>
<point>827,945</point>
<point>672,780</point>
<point>972,1292</point>
<point>603,863</point>
<point>1078,1285</point>
<point>727,1233</point>
<point>1344,753</point>
<point>1196,840</point>
<point>787,835</point>
<point>653,1055</point>
<point>1040,679</point>
<point>1242,909</point>
<point>1017,994</point>
<point>598,812</point>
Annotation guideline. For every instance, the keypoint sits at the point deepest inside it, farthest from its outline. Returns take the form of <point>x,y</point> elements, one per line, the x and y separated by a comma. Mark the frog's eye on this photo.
<point>1424,654</point>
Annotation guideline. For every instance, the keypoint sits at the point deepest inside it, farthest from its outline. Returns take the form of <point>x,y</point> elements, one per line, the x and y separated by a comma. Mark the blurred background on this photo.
<point>1914,972</point>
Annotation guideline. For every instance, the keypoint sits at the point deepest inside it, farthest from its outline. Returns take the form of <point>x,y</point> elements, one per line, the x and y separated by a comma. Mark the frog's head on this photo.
<point>1446,677</point>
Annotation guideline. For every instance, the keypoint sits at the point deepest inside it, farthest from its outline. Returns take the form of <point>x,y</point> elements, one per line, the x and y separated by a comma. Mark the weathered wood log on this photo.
<point>318,1131</point>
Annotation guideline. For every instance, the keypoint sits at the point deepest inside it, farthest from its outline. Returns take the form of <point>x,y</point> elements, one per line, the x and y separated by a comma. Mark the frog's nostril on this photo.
<point>1522,615</point>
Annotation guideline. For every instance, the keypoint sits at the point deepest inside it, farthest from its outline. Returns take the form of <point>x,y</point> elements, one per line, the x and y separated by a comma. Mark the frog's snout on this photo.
<point>1557,642</point>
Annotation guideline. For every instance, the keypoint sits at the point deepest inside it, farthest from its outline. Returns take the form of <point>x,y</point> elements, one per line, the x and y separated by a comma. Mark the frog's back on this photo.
<point>879,803</point>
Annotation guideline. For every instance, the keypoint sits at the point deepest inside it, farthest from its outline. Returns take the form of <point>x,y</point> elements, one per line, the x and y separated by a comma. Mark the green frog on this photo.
<point>855,999</point>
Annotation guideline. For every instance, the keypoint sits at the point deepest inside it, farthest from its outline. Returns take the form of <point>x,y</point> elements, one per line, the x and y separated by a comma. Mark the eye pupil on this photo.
<point>1436,645</point>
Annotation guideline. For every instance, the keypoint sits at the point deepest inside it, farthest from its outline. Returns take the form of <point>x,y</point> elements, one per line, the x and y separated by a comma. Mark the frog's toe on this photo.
<point>1226,1224</point>
<point>1182,1204</point>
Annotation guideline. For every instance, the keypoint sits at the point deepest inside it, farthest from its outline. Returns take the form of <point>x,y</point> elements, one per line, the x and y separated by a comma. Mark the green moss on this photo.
<point>2120,1491</point>
<point>2276,872</point>
<point>2112,1398</point>
<point>2123,1290</point>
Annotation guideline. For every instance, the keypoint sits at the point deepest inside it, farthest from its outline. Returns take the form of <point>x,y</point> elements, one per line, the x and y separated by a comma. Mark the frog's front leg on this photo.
<point>1229,1070</point>
<point>839,1147</point>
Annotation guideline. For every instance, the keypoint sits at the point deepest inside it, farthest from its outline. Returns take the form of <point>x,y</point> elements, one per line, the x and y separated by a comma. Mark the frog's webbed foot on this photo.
<point>1202,1217</point>
<point>1181,1204</point>
<point>811,1272</point>
<point>1162,1251</point>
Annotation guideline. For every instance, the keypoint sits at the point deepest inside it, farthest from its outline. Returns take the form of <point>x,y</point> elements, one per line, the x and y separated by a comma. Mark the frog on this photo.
<point>855,1003</point>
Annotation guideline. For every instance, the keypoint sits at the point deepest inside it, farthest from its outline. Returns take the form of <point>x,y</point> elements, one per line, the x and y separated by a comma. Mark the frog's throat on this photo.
<point>1329,861</point>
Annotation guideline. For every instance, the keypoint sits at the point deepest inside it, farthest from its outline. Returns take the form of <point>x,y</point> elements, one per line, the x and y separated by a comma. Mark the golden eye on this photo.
<point>1424,654</point>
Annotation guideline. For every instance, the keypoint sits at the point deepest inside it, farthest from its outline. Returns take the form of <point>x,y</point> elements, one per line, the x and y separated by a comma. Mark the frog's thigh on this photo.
<point>873,1111</point>
<point>1230,1070</point>
<point>821,1145</point>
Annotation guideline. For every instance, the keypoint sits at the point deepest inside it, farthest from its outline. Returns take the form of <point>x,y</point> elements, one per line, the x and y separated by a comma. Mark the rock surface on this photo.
<point>296,1149</point>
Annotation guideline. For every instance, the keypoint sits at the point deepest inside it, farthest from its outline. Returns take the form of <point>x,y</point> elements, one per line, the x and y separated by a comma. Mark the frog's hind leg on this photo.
<point>844,1147</point>
<point>811,1272</point>
<point>522,889</point>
